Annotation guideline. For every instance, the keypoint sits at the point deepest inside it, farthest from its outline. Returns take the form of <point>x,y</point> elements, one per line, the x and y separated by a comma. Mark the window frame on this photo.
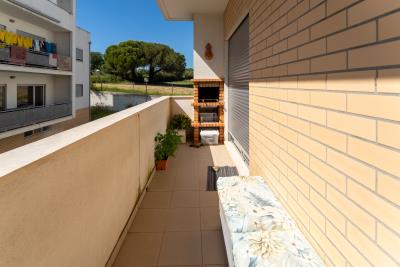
<point>34,86</point>
<point>76,90</point>
<point>3,91</point>
<point>76,54</point>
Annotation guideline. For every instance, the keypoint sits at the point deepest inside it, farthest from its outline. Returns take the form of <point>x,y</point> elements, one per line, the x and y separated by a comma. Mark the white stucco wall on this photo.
<point>57,87</point>
<point>24,25</point>
<point>82,68</point>
<point>50,9</point>
<point>208,29</point>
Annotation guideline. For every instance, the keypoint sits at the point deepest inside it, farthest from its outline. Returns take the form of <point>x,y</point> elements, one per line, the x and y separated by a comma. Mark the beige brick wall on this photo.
<point>325,119</point>
<point>6,144</point>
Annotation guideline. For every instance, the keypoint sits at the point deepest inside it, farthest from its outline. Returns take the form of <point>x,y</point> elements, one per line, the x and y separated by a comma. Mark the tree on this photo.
<point>188,74</point>
<point>96,61</point>
<point>131,59</point>
<point>124,59</point>
<point>161,58</point>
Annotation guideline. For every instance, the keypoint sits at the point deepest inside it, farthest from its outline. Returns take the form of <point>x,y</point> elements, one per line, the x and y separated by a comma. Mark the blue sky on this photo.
<point>114,21</point>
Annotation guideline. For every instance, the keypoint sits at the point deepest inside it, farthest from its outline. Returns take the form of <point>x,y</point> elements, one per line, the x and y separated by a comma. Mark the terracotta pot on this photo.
<point>161,165</point>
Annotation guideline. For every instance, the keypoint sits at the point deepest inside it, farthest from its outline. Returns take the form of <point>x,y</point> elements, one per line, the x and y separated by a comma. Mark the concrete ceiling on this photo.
<point>184,9</point>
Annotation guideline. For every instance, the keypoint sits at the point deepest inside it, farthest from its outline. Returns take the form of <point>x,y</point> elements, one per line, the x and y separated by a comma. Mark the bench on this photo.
<point>257,229</point>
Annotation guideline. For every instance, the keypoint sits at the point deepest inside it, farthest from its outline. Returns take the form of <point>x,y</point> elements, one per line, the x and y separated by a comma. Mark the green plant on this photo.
<point>98,112</point>
<point>166,144</point>
<point>180,122</point>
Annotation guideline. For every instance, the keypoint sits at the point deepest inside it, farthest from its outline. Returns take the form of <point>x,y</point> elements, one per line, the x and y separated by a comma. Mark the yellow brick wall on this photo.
<point>325,119</point>
<point>9,143</point>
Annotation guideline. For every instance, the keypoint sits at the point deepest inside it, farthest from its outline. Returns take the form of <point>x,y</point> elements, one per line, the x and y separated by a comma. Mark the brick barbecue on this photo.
<point>208,107</point>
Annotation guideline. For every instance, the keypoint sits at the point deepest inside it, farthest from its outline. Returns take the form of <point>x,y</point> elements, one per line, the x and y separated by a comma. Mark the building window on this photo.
<point>79,54</point>
<point>28,133</point>
<point>3,97</point>
<point>79,90</point>
<point>30,96</point>
<point>30,35</point>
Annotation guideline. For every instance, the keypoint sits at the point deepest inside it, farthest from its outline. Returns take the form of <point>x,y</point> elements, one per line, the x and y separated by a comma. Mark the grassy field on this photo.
<point>141,89</point>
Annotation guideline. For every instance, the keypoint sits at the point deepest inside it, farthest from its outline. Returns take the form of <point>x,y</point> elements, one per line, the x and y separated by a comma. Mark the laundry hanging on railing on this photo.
<point>13,39</point>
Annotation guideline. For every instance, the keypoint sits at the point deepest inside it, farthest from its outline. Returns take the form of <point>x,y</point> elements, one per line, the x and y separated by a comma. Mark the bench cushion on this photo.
<point>261,231</point>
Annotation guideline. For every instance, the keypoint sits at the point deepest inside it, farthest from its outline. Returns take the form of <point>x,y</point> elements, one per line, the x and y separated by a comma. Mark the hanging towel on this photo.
<point>18,55</point>
<point>28,42</point>
<point>36,45</point>
<point>53,61</point>
<point>47,47</point>
<point>2,36</point>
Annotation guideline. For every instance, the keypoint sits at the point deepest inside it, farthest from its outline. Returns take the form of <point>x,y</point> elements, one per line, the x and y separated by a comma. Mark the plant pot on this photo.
<point>182,134</point>
<point>161,165</point>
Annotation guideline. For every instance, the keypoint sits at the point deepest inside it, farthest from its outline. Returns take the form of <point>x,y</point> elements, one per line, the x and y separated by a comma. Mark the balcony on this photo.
<point>178,221</point>
<point>58,12</point>
<point>79,189</point>
<point>63,4</point>
<point>18,118</point>
<point>34,59</point>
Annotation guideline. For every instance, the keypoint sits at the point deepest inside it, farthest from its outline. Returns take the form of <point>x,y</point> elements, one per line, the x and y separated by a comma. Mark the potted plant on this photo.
<point>166,146</point>
<point>181,123</point>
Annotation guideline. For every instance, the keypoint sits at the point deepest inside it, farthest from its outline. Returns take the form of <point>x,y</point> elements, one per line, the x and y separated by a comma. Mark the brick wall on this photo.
<point>6,144</point>
<point>325,120</point>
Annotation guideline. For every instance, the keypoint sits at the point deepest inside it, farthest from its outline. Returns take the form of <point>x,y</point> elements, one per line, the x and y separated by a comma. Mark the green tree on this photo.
<point>96,61</point>
<point>132,59</point>
<point>188,74</point>
<point>124,59</point>
<point>163,59</point>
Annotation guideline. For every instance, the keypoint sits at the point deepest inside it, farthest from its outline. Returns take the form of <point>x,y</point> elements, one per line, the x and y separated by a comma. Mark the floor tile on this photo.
<point>213,248</point>
<point>167,228</point>
<point>149,220</point>
<point>210,219</point>
<point>209,199</point>
<point>156,200</point>
<point>183,219</point>
<point>139,250</point>
<point>180,248</point>
<point>185,199</point>
<point>162,184</point>
<point>184,184</point>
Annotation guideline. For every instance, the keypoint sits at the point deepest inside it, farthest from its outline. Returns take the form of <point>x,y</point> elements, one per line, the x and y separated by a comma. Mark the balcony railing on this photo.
<point>17,118</point>
<point>65,4</point>
<point>34,59</point>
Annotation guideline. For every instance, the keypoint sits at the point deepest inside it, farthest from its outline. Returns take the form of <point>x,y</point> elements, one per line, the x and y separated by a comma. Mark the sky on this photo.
<point>113,21</point>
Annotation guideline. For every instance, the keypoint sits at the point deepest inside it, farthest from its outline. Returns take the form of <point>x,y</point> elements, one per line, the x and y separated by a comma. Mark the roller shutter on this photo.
<point>239,77</point>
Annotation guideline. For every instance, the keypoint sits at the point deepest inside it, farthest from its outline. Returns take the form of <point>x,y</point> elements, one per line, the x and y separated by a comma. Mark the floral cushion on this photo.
<point>262,232</point>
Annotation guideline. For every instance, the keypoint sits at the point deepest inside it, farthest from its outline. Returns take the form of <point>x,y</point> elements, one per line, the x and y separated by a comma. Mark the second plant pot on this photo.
<point>161,165</point>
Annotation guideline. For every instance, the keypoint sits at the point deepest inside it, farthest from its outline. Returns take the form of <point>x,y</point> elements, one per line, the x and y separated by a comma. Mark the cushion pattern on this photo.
<point>262,232</point>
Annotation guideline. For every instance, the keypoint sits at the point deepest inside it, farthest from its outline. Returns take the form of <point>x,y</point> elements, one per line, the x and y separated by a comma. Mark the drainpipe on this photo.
<point>90,81</point>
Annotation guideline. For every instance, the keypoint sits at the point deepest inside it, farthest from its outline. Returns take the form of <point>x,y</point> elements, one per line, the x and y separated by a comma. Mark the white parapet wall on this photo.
<point>65,200</point>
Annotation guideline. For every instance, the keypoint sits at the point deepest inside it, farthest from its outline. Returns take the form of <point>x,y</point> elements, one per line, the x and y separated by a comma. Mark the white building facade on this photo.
<point>44,70</point>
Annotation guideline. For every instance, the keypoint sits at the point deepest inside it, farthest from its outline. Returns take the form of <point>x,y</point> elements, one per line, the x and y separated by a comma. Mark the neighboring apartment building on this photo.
<point>312,103</point>
<point>44,70</point>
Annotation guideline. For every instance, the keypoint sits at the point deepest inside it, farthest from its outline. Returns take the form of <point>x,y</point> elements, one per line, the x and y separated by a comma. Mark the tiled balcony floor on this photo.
<point>178,222</point>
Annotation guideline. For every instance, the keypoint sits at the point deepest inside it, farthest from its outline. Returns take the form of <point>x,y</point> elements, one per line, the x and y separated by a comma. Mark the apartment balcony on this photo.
<point>76,194</point>
<point>63,4</point>
<point>178,221</point>
<point>18,118</point>
<point>32,59</point>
